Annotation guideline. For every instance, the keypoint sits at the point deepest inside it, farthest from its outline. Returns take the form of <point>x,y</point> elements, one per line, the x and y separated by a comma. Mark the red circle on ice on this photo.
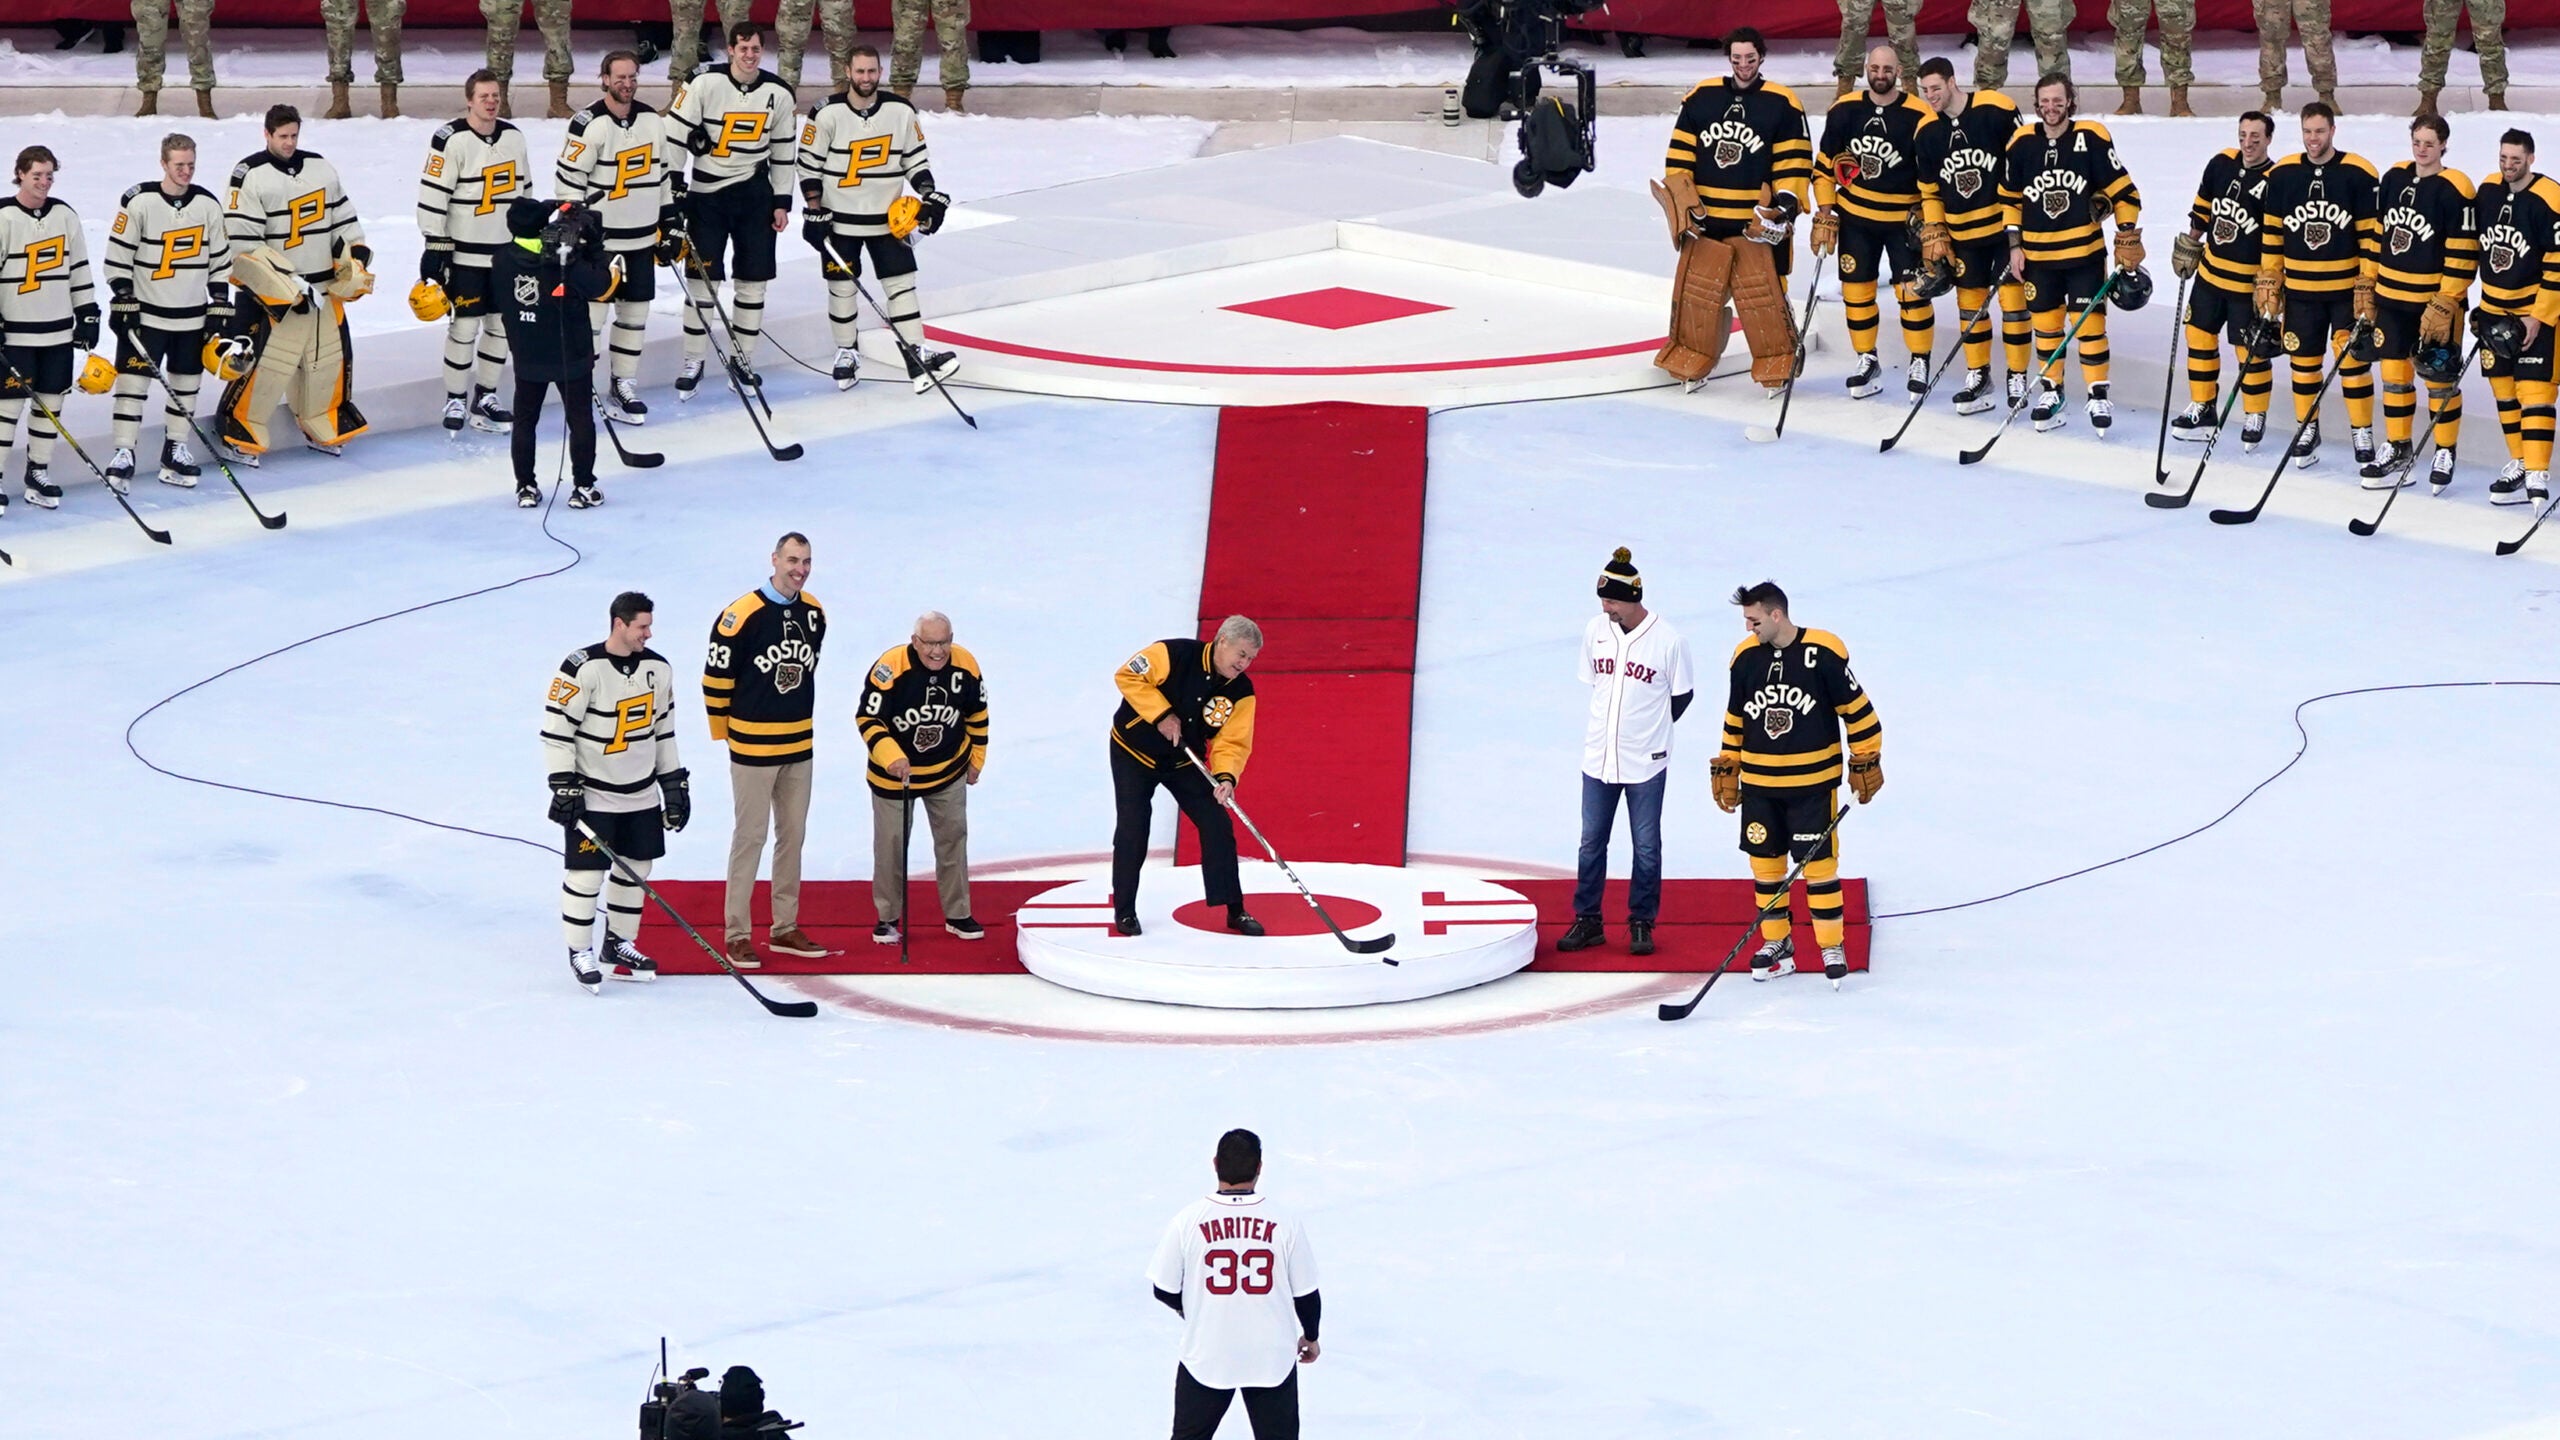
<point>1282,913</point>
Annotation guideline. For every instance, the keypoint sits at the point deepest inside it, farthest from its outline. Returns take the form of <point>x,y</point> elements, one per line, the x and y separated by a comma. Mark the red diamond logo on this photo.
<point>1335,308</point>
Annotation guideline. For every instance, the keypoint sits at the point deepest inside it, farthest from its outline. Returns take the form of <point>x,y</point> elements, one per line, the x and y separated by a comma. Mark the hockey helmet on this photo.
<point>2500,335</point>
<point>904,213</point>
<point>97,377</point>
<point>225,360</point>
<point>2439,363</point>
<point>1935,278</point>
<point>2259,336</point>
<point>427,301</point>
<point>2133,289</point>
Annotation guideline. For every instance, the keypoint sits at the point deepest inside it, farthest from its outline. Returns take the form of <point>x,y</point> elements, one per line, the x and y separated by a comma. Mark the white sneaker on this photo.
<point>120,470</point>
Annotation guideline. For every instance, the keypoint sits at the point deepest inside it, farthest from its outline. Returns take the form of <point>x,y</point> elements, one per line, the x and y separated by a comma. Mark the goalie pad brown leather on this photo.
<point>1698,324</point>
<point>1760,297</point>
<point>1679,200</point>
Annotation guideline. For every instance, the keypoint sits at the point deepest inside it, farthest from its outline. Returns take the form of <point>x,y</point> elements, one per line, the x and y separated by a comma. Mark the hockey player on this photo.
<point>2062,178</point>
<point>2316,273</point>
<point>2428,253</point>
<point>1179,695</point>
<point>1965,154</point>
<point>620,160</point>
<point>168,254</point>
<point>1870,197</point>
<point>48,310</point>
<point>1790,701</point>
<point>742,125</point>
<point>1240,1273</point>
<point>475,166</point>
<point>1636,664</point>
<point>858,150</point>
<point>2519,226</point>
<point>1737,173</point>
<point>609,737</point>
<point>2220,252</point>
<point>299,250</point>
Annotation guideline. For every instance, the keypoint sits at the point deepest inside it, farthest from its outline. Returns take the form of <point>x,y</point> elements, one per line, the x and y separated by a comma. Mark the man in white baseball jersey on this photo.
<point>1240,1273</point>
<point>1638,669</point>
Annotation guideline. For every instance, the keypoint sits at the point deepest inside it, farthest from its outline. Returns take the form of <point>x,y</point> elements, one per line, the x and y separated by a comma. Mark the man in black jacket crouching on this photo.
<point>555,268</point>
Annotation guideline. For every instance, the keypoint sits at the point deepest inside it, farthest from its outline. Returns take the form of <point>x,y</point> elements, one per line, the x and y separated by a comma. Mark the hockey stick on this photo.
<point>1964,327</point>
<point>630,458</point>
<point>1356,947</point>
<point>2169,386</point>
<point>2435,417</point>
<point>793,1009</point>
<point>2161,500</point>
<point>2285,461</point>
<point>2027,396</point>
<point>212,451</point>
<point>1785,888</point>
<point>906,847</point>
<point>158,537</point>
<point>1804,335</point>
<point>2509,547</point>
<point>914,361</point>
<point>733,366</point>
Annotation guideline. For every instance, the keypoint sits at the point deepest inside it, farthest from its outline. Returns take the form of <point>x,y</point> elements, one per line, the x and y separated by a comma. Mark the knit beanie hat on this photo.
<point>1619,580</point>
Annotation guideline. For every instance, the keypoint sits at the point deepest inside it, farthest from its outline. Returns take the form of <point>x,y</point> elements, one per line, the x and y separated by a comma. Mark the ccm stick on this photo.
<point>1786,887</point>
<point>2027,397</point>
<point>2310,418</point>
<point>2361,528</point>
<point>157,535</point>
<point>905,350</point>
<point>1963,329</point>
<point>732,364</point>
<point>1356,947</point>
<point>1804,335</point>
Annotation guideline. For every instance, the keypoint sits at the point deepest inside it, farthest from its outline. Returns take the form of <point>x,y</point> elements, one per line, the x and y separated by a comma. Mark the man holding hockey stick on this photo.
<point>740,123</point>
<point>1736,174</point>
<point>858,152</point>
<point>2322,234</point>
<point>2429,251</point>
<point>2220,253</point>
<point>617,788</point>
<point>167,263</point>
<point>1178,698</point>
<point>48,313</point>
<point>2518,221</point>
<point>2061,180</point>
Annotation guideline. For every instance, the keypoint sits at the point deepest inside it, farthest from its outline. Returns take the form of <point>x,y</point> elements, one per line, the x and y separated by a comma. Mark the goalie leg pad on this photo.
<point>1760,298</point>
<point>1698,326</point>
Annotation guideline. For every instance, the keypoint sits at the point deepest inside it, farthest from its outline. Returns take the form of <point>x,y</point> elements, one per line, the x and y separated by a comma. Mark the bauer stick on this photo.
<point>2027,396</point>
<point>1786,887</point>
<point>1964,328</point>
<point>212,451</point>
<point>790,1009</point>
<point>2169,388</point>
<point>158,536</point>
<point>2163,500</point>
<point>1356,947</point>
<point>905,350</point>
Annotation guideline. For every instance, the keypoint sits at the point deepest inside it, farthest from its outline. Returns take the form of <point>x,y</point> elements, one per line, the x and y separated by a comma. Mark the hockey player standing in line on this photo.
<point>2519,225</point>
<point>2316,273</point>
<point>48,310</point>
<point>1738,168</point>
<point>1790,695</point>
<point>475,166</point>
<point>609,737</point>
<point>620,159</point>
<point>1175,696</point>
<point>1637,666</point>
<point>1240,1273</point>
<point>290,203</point>
<point>924,717</point>
<point>742,126</point>
<point>2429,251</point>
<point>167,256</point>
<point>2220,250</point>
<point>858,150</point>
<point>2062,178</point>
<point>1868,187</point>
<point>1964,154</point>
<point>760,692</point>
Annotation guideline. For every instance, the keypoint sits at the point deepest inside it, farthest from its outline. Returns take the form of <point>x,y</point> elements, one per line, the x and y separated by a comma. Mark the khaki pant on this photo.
<point>1900,19</point>
<point>2276,19</point>
<point>947,810</point>
<point>2488,33</point>
<point>684,52</point>
<point>1996,23</point>
<point>777,795</point>
<point>791,38</point>
<point>2177,39</point>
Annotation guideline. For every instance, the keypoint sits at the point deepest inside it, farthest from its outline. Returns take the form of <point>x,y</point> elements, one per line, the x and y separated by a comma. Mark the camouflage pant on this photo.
<point>685,54</point>
<point>1900,17</point>
<point>2488,33</point>
<point>791,37</point>
<point>385,15</point>
<point>906,41</point>
<point>195,19</point>
<point>2177,39</point>
<point>1996,23</point>
<point>505,17</point>
<point>2275,17</point>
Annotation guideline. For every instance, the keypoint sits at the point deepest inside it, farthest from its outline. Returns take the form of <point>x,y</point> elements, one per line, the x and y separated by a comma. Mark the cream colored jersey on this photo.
<point>175,251</point>
<point>610,720</point>
<point>297,206</point>
<point>44,273</point>
<point>738,134</point>
<point>629,170</point>
<point>855,159</point>
<point>465,187</point>
<point>1239,1262</point>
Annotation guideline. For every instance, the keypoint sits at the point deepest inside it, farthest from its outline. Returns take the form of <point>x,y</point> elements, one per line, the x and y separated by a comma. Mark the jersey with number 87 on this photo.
<point>1239,1262</point>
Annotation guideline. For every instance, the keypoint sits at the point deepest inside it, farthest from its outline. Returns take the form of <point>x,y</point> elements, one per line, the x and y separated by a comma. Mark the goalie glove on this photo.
<point>1866,776</point>
<point>675,789</point>
<point>1826,231</point>
<point>1724,778</point>
<point>2186,257</point>
<point>568,798</point>
<point>2129,251</point>
<point>2438,321</point>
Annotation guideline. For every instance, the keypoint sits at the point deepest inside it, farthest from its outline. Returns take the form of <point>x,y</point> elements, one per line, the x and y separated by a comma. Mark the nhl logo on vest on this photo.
<point>528,289</point>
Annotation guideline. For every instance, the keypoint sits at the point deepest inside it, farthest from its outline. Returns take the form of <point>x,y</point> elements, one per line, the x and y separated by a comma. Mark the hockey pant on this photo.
<point>2355,382</point>
<point>2400,405</point>
<point>579,890</point>
<point>2013,327</point>
<point>1919,319</point>
<point>746,314</point>
<point>2525,417</point>
<point>2204,373</point>
<point>133,397</point>
<point>40,431</point>
<point>475,352</point>
<point>630,334</point>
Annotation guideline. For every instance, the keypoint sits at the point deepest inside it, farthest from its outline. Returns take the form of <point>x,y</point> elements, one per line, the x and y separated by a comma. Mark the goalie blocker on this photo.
<point>1740,268</point>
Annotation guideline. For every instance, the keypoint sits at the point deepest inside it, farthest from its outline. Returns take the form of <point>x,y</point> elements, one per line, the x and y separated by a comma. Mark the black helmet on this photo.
<point>2439,363</point>
<point>2500,335</point>
<point>1934,278</point>
<point>2133,289</point>
<point>2364,343</point>
<point>2259,336</point>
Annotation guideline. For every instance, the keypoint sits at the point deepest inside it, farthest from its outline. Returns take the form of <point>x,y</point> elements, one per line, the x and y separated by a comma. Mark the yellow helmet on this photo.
<point>97,377</point>
<point>222,359</point>
<point>427,301</point>
<point>903,214</point>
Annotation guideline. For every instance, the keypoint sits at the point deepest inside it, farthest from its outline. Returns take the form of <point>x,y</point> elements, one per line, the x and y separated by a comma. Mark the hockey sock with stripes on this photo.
<point>2355,381</point>
<point>2204,366</point>
<point>578,891</point>
<point>1768,882</point>
<point>40,431</point>
<point>1977,341</point>
<point>493,353</point>
<point>844,314</point>
<point>2446,401</point>
<point>2510,413</point>
<point>1858,300</point>
<point>2015,325</point>
<point>2399,400</point>
<point>746,312</point>
<point>461,340</point>
<point>1822,898</point>
<point>132,397</point>
<point>2537,396</point>
<point>2094,353</point>
<point>1920,327</point>
<point>898,293</point>
<point>622,896</point>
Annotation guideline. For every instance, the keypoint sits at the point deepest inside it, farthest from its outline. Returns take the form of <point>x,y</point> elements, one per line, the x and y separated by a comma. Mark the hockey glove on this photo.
<point>936,205</point>
<point>813,228</point>
<point>1936,246</point>
<point>217,309</point>
<point>568,799</point>
<point>2129,251</point>
<point>671,243</point>
<point>1724,777</point>
<point>698,140</point>
<point>2438,321</point>
<point>2186,257</point>
<point>1866,776</point>
<point>361,254</point>
<point>1826,231</point>
<point>84,327</point>
<point>2269,296</point>
<point>124,308</point>
<point>2364,298</point>
<point>434,263</point>
<point>675,789</point>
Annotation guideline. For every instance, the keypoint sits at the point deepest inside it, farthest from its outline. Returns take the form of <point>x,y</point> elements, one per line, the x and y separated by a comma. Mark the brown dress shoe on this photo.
<point>742,954</point>
<point>788,940</point>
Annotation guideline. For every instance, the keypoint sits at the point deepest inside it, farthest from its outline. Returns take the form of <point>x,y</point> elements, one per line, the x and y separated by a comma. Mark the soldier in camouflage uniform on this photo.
<point>1901,19</point>
<point>906,45</point>
<point>2488,35</point>
<point>505,17</point>
<point>340,17</point>
<point>2274,18</point>
<point>791,38</point>
<point>2177,50</point>
<point>684,52</point>
<point>195,20</point>
<point>1995,24</point>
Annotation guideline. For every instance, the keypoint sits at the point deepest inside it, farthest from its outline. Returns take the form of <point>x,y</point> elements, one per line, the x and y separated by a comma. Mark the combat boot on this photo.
<point>1846,85</point>
<point>2178,107</point>
<point>2330,99</point>
<point>506,102</point>
<point>559,101</point>
<point>2426,102</point>
<point>2132,102</point>
<point>338,108</point>
<point>204,103</point>
<point>390,101</point>
<point>2497,99</point>
<point>150,103</point>
<point>2272,101</point>
<point>955,100</point>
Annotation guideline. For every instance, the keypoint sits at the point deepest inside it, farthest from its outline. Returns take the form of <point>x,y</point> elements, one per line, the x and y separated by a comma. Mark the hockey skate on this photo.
<point>623,961</point>
<point>2306,447</point>
<point>1775,958</point>
<point>1835,964</point>
<point>178,465</point>
<point>1975,397</point>
<point>119,471</point>
<point>2392,468</point>
<point>582,963</point>
<point>926,366</point>
<point>1865,381</point>
<point>848,367</point>
<point>1916,382</point>
<point>622,403</point>
<point>2017,388</point>
<point>2507,489</point>
<point>2193,424</point>
<point>44,494</point>
<point>487,414</point>
<point>2440,473</point>
<point>2537,486</point>
<point>2048,414</point>
<point>688,379</point>
<point>456,414</point>
<point>2102,409</point>
<point>324,447</point>
<point>2360,439</point>
<point>2253,430</point>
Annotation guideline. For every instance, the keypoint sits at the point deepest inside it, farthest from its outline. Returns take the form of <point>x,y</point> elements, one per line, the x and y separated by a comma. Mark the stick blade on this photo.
<point>2361,527</point>
<point>1885,446</point>
<point>2232,517</point>
<point>1669,1011</point>
<point>1759,434</point>
<point>1973,457</point>
<point>272,522</point>
<point>788,452</point>
<point>2161,500</point>
<point>2509,547</point>
<point>1369,947</point>
<point>792,1009</point>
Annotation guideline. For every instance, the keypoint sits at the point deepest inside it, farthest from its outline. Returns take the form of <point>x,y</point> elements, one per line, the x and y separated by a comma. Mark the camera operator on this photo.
<point>555,268</point>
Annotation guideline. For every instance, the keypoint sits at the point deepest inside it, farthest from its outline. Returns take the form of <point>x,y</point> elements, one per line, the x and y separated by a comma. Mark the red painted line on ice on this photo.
<point>1179,367</point>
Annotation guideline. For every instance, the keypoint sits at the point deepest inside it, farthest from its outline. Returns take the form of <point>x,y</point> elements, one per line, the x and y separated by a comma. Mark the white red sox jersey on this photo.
<point>175,251</point>
<point>465,187</point>
<point>610,720</point>
<point>1239,1263</point>
<point>1633,675</point>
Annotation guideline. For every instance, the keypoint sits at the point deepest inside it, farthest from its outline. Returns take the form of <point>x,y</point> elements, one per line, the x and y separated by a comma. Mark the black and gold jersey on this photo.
<point>1868,163</point>
<point>2323,222</point>
<point>760,677</point>
<point>1176,676</point>
<point>2520,248</point>
<point>1737,140</point>
<point>2057,190</point>
<point>936,720</point>
<point>1788,708</point>
<point>2230,212</point>
<point>2430,242</point>
<point>1964,152</point>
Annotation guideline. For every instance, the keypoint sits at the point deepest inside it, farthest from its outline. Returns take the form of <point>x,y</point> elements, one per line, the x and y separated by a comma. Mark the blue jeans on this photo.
<point>1644,827</point>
